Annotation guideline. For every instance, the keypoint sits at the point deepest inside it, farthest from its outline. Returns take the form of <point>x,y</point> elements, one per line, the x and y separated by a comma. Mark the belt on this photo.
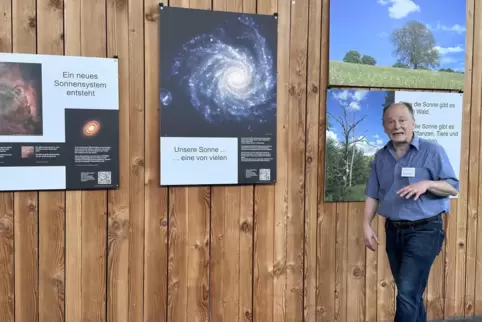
<point>414,223</point>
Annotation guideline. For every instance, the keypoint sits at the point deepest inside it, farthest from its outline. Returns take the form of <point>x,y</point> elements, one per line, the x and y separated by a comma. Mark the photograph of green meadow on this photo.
<point>397,44</point>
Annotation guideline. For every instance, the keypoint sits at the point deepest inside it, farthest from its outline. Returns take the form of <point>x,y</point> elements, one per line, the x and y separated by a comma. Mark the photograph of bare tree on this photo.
<point>397,44</point>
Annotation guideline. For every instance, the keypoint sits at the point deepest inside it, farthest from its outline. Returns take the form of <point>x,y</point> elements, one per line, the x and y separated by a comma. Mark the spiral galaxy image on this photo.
<point>224,68</point>
<point>91,128</point>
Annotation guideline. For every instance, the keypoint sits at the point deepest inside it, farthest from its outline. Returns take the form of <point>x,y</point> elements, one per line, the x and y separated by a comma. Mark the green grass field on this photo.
<point>347,74</point>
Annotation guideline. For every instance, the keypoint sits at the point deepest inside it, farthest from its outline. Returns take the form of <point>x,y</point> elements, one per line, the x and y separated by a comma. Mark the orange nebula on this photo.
<point>91,128</point>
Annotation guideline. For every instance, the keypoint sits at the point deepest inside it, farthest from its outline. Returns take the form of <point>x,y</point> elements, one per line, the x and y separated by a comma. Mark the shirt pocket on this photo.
<point>421,174</point>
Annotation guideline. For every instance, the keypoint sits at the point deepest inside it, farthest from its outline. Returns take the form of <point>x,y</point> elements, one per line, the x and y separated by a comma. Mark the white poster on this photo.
<point>438,118</point>
<point>58,122</point>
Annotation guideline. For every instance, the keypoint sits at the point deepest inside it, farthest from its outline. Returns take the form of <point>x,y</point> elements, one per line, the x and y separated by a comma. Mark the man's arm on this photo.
<point>371,206</point>
<point>445,181</point>
<point>442,188</point>
<point>372,194</point>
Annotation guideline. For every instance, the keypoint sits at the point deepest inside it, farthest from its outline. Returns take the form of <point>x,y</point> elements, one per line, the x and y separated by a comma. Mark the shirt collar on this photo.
<point>415,143</point>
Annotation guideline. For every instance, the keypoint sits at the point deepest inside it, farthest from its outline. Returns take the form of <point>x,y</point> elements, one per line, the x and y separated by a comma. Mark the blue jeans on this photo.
<point>411,252</point>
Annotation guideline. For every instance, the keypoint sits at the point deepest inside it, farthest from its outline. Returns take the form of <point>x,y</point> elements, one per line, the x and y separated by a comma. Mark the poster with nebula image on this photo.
<point>218,97</point>
<point>58,122</point>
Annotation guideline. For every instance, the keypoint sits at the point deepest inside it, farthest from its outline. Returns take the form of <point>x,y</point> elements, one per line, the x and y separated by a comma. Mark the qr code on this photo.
<point>264,174</point>
<point>104,177</point>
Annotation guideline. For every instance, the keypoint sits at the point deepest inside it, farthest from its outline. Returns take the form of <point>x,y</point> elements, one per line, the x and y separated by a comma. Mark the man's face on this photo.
<point>398,123</point>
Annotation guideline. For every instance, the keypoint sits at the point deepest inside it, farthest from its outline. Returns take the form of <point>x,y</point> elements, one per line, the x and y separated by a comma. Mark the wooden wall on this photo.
<point>188,254</point>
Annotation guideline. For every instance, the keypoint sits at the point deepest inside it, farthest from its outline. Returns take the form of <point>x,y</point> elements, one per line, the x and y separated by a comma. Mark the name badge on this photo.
<point>408,172</point>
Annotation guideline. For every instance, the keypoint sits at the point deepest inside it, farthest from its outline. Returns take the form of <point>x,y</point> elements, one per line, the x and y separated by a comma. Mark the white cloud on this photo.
<point>455,28</point>
<point>448,60</point>
<point>331,135</point>
<point>359,95</point>
<point>369,147</point>
<point>355,106</point>
<point>382,35</point>
<point>449,50</point>
<point>400,8</point>
<point>350,99</point>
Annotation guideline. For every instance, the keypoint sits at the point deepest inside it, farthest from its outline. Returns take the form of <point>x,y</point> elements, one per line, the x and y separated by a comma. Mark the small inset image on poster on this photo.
<point>20,98</point>
<point>218,97</point>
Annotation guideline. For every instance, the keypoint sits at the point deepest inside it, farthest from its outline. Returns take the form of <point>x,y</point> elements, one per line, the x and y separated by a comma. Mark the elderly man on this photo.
<point>410,183</point>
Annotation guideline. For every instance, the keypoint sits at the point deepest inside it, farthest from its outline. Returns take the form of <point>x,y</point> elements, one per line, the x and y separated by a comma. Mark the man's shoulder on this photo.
<point>430,146</point>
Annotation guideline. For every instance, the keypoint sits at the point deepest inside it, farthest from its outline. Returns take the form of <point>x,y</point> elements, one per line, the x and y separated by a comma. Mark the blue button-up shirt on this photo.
<point>430,162</point>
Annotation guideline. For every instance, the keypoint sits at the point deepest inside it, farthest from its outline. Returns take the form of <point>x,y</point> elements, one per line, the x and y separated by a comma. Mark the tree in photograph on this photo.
<point>352,56</point>
<point>348,146</point>
<point>368,60</point>
<point>414,45</point>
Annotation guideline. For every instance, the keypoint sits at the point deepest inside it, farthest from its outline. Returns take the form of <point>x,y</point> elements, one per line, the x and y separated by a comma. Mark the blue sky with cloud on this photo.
<point>358,104</point>
<point>366,25</point>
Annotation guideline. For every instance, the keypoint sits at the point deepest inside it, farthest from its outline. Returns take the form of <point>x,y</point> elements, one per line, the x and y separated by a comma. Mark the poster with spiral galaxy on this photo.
<point>58,122</point>
<point>218,97</point>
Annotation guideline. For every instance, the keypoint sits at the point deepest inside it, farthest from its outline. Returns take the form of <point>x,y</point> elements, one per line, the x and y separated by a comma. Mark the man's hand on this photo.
<point>371,239</point>
<point>416,190</point>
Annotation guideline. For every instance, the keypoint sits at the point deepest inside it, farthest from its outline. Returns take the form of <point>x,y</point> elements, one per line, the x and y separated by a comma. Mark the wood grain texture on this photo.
<point>73,199</point>
<point>156,198</point>
<point>25,204</point>
<point>118,241</point>
<point>268,253</point>
<point>51,223</point>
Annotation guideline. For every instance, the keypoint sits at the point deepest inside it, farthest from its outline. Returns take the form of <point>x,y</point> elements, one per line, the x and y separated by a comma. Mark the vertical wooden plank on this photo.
<point>26,256</point>
<point>371,279</point>
<point>474,37</point>
<point>26,210</point>
<point>355,286</point>
<point>231,239</point>
<point>73,199</point>
<point>311,158</point>
<point>178,255</point>
<point>341,291</point>
<point>7,274</point>
<point>189,226</point>
<point>278,267</point>
<point>326,221</point>
<point>386,283</point>
<point>222,256</point>
<point>245,227</point>
<point>456,242</point>
<point>266,267</point>
<point>52,250</point>
<point>136,160</point>
<point>435,289</point>
<point>473,143</point>
<point>7,284</point>
<point>156,202</point>
<point>118,200</point>
<point>296,160</point>
<point>94,203</point>
<point>245,222</point>
<point>51,204</point>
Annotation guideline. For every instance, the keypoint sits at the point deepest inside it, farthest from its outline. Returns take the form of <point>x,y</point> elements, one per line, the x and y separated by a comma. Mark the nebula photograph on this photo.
<point>20,99</point>
<point>218,73</point>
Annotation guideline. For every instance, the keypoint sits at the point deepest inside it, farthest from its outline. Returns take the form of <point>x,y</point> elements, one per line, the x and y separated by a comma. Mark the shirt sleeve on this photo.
<point>443,169</point>
<point>373,187</point>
